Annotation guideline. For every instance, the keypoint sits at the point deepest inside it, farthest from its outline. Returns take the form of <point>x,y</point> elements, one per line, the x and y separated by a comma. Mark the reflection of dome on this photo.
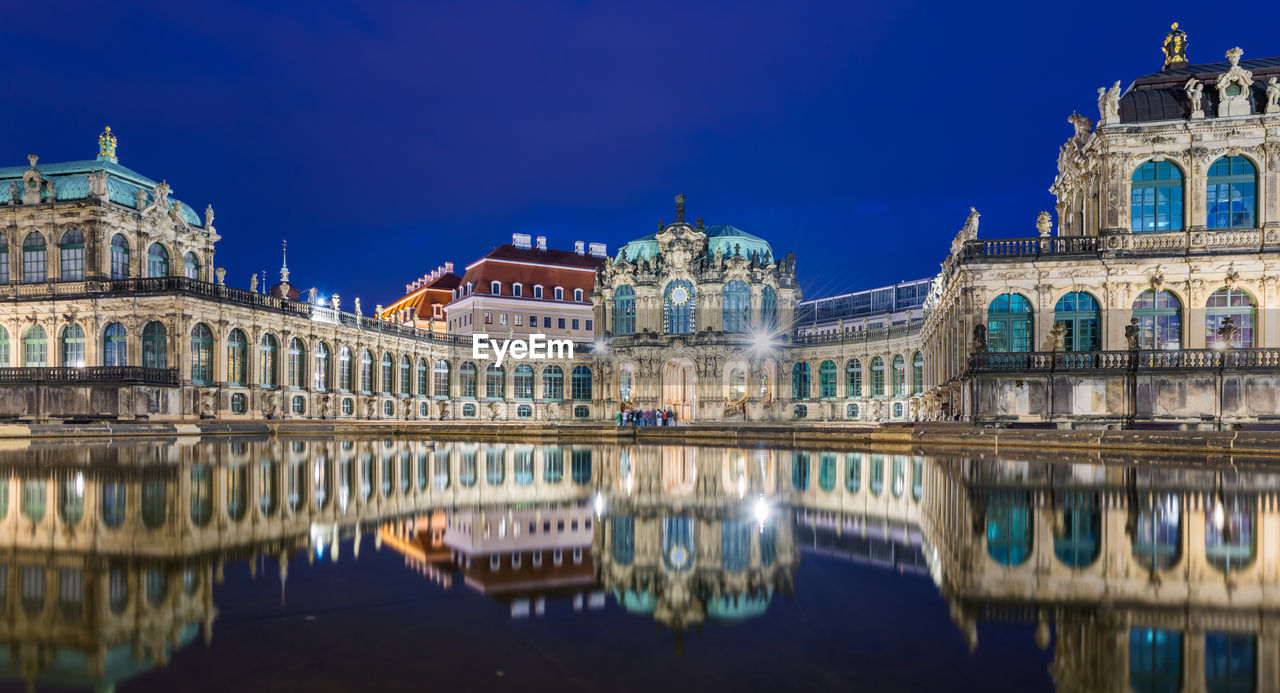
<point>740,608</point>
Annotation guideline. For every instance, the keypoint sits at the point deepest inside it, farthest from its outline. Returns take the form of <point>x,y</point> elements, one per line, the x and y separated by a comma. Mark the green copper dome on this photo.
<point>725,239</point>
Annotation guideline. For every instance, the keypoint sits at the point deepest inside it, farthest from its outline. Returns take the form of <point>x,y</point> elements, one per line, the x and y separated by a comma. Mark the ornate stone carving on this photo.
<point>1044,224</point>
<point>1195,97</point>
<point>1273,96</point>
<point>1109,104</point>
<point>1233,87</point>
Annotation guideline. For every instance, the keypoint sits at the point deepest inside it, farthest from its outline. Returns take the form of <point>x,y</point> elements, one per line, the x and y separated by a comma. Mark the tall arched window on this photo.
<point>237,358</point>
<point>269,357</point>
<point>1078,314</point>
<point>346,377</point>
<point>917,373</point>
<point>494,382</point>
<point>71,256</point>
<point>154,348</point>
<point>320,380</point>
<point>34,258</point>
<point>423,381</point>
<point>877,377</point>
<point>1237,304</point>
<point>4,362</point>
<point>440,379</point>
<point>201,354</point>
<point>191,266</point>
<point>552,383</point>
<point>406,376</point>
<point>388,373</point>
<point>678,308</point>
<point>366,372</point>
<point>1159,315</point>
<point>296,366</point>
<point>625,382</point>
<point>800,381</point>
<point>768,308</point>
<point>736,309</point>
<point>1231,194</point>
<point>1155,199</point>
<point>467,377</point>
<point>853,377</point>
<point>119,257</point>
<point>827,380</point>
<point>114,346</point>
<point>72,346</point>
<point>1009,324</point>
<point>580,384</point>
<point>523,382</point>
<point>157,261</point>
<point>624,310</point>
<point>737,384</point>
<point>4,260</point>
<point>899,376</point>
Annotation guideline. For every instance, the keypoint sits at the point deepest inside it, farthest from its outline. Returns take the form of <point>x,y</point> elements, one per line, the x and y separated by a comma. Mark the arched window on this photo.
<point>71,255</point>
<point>1230,658</point>
<point>155,353</point>
<point>1229,540</point>
<point>366,372</point>
<point>917,373</point>
<point>72,346</point>
<point>737,384</point>
<point>423,382</point>
<point>1077,528</point>
<point>1159,315</point>
<point>800,470</point>
<point>523,382</point>
<point>346,378</point>
<point>495,466</point>
<point>1009,527</point>
<point>114,346</point>
<point>495,288</point>
<point>1231,194</point>
<point>296,364</point>
<point>828,469</point>
<point>768,308</point>
<point>237,358</point>
<point>114,502</point>
<point>320,379</point>
<point>625,380</point>
<point>580,384</point>
<point>4,260</point>
<point>1157,534</point>
<point>877,377</point>
<point>853,471</point>
<point>119,257</point>
<point>34,258</point>
<point>440,379</point>
<point>827,380</point>
<point>899,376</point>
<point>157,261</point>
<point>191,266</point>
<point>577,295</point>
<point>1078,313</point>
<point>388,373</point>
<point>1155,198</point>
<point>800,381</point>
<point>678,308</point>
<point>552,383</point>
<point>406,375</point>
<point>201,354</point>
<point>853,377</point>
<point>1155,660</point>
<point>624,310</point>
<point>467,377</point>
<point>1236,304</point>
<point>1009,324</point>
<point>736,310</point>
<point>494,381</point>
<point>269,357</point>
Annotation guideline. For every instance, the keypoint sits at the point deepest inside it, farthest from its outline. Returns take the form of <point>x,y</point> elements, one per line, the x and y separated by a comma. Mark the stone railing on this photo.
<point>92,374</point>
<point>1180,359</point>
<point>1169,243</point>
<point>860,336</point>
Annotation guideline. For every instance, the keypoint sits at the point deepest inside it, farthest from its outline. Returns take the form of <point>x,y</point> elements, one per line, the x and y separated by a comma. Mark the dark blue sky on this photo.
<point>383,138</point>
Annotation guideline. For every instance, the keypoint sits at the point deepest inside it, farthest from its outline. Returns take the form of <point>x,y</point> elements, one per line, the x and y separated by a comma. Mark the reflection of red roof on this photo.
<point>528,266</point>
<point>526,578</point>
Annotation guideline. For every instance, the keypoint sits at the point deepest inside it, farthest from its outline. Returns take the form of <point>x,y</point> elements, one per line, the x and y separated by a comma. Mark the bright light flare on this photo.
<point>761,511</point>
<point>598,504</point>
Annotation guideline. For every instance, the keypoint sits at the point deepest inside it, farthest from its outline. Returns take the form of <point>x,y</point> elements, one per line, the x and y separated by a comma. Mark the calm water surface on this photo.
<point>369,564</point>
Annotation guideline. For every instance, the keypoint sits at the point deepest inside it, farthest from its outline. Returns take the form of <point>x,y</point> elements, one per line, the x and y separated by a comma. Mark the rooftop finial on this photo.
<point>284,262</point>
<point>679,208</point>
<point>107,144</point>
<point>1233,55</point>
<point>1175,48</point>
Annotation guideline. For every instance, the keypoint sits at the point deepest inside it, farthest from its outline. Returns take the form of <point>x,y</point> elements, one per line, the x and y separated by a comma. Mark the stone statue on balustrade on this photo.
<point>1132,334</point>
<point>979,339</point>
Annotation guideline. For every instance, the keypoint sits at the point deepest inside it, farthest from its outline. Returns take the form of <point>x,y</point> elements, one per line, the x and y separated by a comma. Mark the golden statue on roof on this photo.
<point>107,144</point>
<point>1175,47</point>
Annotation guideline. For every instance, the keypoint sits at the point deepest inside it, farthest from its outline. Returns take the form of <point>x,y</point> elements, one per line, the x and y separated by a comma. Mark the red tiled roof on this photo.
<point>550,268</point>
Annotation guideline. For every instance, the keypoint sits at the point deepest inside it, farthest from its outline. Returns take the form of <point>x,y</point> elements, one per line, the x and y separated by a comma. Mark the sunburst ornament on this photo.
<point>679,295</point>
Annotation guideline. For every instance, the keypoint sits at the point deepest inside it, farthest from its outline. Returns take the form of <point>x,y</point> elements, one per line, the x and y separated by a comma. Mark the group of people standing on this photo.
<point>647,417</point>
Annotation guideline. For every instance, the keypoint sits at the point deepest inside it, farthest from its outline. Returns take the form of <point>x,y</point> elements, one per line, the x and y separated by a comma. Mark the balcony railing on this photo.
<point>1181,359</point>
<point>1204,241</point>
<point>859,336</point>
<point>90,374</point>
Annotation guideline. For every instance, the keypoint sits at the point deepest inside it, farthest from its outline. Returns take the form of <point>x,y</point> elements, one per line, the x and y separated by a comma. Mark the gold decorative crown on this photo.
<point>107,143</point>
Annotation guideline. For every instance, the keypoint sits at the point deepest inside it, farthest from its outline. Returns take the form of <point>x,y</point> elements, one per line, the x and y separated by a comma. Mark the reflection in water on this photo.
<point>1142,577</point>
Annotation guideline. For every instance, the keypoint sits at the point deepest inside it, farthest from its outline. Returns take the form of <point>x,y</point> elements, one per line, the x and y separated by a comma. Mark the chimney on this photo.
<point>520,240</point>
<point>448,267</point>
<point>542,242</point>
<point>577,247</point>
<point>598,249</point>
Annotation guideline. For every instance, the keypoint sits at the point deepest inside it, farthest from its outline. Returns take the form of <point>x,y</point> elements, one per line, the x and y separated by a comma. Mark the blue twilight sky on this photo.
<point>383,138</point>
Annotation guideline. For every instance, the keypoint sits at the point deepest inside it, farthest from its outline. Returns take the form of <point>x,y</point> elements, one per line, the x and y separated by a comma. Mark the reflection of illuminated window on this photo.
<point>1076,528</point>
<point>1228,534</point>
<point>1230,662</point>
<point>800,470</point>
<point>1157,532</point>
<point>624,539</point>
<point>1155,660</point>
<point>735,545</point>
<point>1009,527</point>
